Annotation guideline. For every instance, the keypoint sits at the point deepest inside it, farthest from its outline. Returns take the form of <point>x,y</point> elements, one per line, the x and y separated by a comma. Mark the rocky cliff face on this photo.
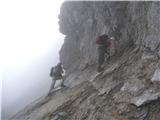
<point>129,88</point>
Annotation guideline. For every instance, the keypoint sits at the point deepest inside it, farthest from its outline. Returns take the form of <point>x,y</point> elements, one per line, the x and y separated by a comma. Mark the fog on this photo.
<point>30,46</point>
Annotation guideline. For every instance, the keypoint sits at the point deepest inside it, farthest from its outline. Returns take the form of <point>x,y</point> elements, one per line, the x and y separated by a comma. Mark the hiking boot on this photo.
<point>63,85</point>
<point>100,69</point>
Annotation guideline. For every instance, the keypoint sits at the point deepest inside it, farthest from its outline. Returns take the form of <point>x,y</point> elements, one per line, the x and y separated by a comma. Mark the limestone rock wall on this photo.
<point>129,87</point>
<point>131,23</point>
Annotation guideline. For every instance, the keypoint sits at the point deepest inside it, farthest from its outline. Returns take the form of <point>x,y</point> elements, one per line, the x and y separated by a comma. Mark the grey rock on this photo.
<point>149,56</point>
<point>134,86</point>
<point>146,97</point>
<point>156,76</point>
<point>110,69</point>
<point>152,42</point>
<point>158,53</point>
<point>60,116</point>
<point>140,113</point>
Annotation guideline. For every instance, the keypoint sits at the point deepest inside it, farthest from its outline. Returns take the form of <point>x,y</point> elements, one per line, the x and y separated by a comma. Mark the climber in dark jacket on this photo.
<point>56,74</point>
<point>101,41</point>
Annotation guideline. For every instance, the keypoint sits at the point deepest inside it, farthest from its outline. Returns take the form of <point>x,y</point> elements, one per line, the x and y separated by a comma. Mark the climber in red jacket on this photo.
<point>105,45</point>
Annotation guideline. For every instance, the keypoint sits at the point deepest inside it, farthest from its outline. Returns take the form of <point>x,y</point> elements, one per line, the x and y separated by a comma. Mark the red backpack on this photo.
<point>112,44</point>
<point>102,39</point>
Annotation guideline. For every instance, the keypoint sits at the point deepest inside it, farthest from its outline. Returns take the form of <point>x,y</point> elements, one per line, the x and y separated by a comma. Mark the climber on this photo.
<point>56,74</point>
<point>101,41</point>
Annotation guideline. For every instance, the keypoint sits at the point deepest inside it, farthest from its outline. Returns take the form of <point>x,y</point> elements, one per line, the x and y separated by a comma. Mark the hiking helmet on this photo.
<point>60,63</point>
<point>105,35</point>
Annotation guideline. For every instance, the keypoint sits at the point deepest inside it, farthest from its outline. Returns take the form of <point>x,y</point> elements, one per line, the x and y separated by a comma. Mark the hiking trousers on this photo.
<point>101,54</point>
<point>53,84</point>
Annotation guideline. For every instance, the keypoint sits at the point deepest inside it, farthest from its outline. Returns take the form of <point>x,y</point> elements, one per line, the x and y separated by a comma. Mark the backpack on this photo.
<point>112,46</point>
<point>102,39</point>
<point>52,71</point>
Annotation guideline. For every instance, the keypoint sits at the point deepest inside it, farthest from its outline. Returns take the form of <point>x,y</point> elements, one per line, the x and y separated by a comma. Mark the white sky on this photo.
<point>29,46</point>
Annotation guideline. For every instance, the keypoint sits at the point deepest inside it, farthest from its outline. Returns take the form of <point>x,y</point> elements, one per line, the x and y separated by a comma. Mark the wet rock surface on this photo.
<point>128,88</point>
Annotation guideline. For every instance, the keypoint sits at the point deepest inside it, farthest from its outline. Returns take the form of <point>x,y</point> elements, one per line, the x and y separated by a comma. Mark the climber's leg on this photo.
<point>52,85</point>
<point>101,58</point>
<point>62,83</point>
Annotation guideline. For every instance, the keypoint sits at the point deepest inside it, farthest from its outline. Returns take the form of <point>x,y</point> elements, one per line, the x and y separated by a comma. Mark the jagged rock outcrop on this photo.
<point>129,88</point>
